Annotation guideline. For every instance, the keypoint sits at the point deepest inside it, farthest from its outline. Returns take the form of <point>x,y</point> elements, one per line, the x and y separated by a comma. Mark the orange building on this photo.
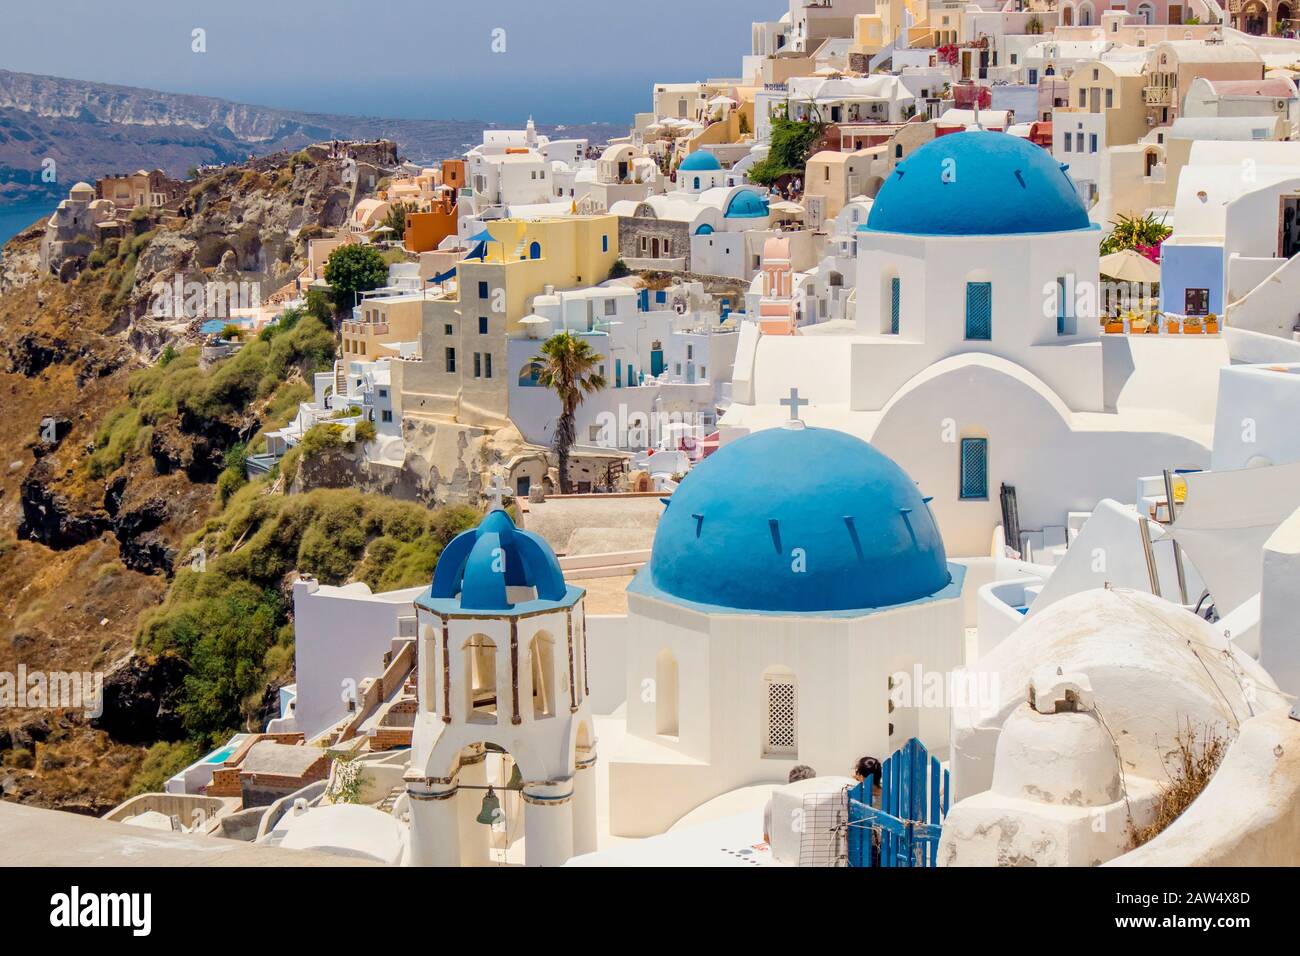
<point>426,229</point>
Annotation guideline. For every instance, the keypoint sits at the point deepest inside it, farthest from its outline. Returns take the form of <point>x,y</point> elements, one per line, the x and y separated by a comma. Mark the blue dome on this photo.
<point>734,531</point>
<point>746,204</point>
<point>978,183</point>
<point>478,565</point>
<point>700,160</point>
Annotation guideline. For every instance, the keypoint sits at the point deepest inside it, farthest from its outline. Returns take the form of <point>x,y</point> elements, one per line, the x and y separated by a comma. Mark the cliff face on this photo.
<point>97,129</point>
<point>95,506</point>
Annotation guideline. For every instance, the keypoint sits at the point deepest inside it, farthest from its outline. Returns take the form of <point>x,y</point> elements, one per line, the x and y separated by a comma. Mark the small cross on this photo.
<point>794,401</point>
<point>496,493</point>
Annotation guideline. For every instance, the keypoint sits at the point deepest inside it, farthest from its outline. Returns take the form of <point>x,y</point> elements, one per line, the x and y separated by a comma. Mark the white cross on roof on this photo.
<point>794,401</point>
<point>496,493</point>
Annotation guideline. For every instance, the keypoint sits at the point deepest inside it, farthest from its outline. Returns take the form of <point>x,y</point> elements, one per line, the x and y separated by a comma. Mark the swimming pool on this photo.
<point>222,755</point>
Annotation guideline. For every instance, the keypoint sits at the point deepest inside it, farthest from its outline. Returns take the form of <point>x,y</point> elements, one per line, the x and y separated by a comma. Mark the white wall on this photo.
<point>340,634</point>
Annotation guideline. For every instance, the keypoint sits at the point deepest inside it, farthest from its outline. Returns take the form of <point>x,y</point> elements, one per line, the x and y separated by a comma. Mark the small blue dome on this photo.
<point>798,520</point>
<point>479,564</point>
<point>700,160</point>
<point>978,183</point>
<point>746,204</point>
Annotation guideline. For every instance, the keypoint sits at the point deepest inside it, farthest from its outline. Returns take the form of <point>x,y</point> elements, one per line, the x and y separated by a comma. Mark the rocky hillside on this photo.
<point>96,129</point>
<point>112,444</point>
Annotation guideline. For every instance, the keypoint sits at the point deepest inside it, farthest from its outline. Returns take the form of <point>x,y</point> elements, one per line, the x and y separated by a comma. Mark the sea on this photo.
<point>17,216</point>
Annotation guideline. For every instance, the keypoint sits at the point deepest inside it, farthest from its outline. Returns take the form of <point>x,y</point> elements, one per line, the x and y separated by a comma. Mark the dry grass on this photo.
<point>1195,761</point>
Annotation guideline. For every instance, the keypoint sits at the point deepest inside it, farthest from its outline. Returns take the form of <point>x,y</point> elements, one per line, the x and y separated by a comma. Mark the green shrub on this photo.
<point>230,622</point>
<point>161,762</point>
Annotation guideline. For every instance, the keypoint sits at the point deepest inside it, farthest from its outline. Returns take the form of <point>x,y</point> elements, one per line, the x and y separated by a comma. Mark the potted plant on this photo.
<point>1112,324</point>
<point>1211,324</point>
<point>1192,325</point>
<point>1173,326</point>
<point>1138,323</point>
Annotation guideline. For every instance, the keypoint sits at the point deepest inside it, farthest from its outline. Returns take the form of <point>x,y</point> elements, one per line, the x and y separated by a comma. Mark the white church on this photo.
<point>972,353</point>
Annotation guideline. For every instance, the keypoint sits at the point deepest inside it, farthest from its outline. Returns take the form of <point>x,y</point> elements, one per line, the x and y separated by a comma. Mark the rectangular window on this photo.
<point>1067,141</point>
<point>451,359</point>
<point>1196,302</point>
<point>383,393</point>
<point>895,303</point>
<point>482,325</point>
<point>611,307</point>
<point>1092,142</point>
<point>482,290</point>
<point>447,329</point>
<point>385,415</point>
<point>1083,98</point>
<point>1110,98</point>
<point>974,469</point>
<point>478,364</point>
<point>487,364</point>
<point>1065,319</point>
<point>1078,142</point>
<point>979,310</point>
<point>604,243</point>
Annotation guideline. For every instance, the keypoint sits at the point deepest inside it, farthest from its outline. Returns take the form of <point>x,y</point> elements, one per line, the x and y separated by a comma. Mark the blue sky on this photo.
<point>565,60</point>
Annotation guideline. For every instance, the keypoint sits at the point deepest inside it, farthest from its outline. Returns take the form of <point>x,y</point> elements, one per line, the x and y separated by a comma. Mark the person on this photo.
<point>798,772</point>
<point>869,767</point>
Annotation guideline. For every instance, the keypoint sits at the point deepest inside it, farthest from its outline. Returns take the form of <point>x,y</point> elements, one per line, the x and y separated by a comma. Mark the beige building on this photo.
<point>1113,88</point>
<point>381,321</point>
<point>141,188</point>
<point>1172,65</point>
<point>463,374</point>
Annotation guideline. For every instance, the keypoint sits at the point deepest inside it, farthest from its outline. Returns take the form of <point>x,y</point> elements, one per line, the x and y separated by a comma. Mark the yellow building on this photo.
<point>379,321</point>
<point>873,32</point>
<point>1115,90</point>
<point>463,375</point>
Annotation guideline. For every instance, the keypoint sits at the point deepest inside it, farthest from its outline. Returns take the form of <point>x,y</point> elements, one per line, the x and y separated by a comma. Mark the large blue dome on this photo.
<point>699,161</point>
<point>978,183</point>
<point>798,520</point>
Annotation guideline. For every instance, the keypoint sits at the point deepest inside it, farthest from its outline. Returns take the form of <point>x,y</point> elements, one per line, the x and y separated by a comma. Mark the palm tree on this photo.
<point>569,368</point>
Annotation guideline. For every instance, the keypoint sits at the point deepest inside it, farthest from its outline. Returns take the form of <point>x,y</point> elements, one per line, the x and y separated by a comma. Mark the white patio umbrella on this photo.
<point>1129,265</point>
<point>533,323</point>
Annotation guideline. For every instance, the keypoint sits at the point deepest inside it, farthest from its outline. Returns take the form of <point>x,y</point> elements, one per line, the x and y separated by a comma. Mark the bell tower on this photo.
<point>503,745</point>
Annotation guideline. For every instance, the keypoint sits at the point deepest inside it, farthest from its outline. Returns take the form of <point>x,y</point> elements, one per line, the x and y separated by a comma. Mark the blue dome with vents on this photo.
<point>978,183</point>
<point>746,204</point>
<point>797,520</point>
<point>700,160</point>
<point>480,568</point>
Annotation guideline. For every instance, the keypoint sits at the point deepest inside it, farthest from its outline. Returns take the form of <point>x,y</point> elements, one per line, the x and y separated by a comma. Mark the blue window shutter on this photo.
<point>974,468</point>
<point>979,310</point>
<point>895,303</point>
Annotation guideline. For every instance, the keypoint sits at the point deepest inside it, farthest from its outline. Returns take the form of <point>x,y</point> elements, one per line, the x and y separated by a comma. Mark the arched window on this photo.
<point>541,656</point>
<point>530,375</point>
<point>666,693</point>
<point>480,676</point>
<point>781,729</point>
<point>535,250</point>
<point>697,182</point>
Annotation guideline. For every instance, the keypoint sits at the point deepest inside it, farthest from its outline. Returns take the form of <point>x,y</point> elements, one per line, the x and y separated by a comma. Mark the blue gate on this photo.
<point>909,815</point>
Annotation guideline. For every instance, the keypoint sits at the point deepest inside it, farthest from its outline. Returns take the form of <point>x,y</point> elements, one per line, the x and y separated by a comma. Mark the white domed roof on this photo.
<point>1153,667</point>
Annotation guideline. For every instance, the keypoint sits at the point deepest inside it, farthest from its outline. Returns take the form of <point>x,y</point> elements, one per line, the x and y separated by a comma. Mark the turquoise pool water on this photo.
<point>221,756</point>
